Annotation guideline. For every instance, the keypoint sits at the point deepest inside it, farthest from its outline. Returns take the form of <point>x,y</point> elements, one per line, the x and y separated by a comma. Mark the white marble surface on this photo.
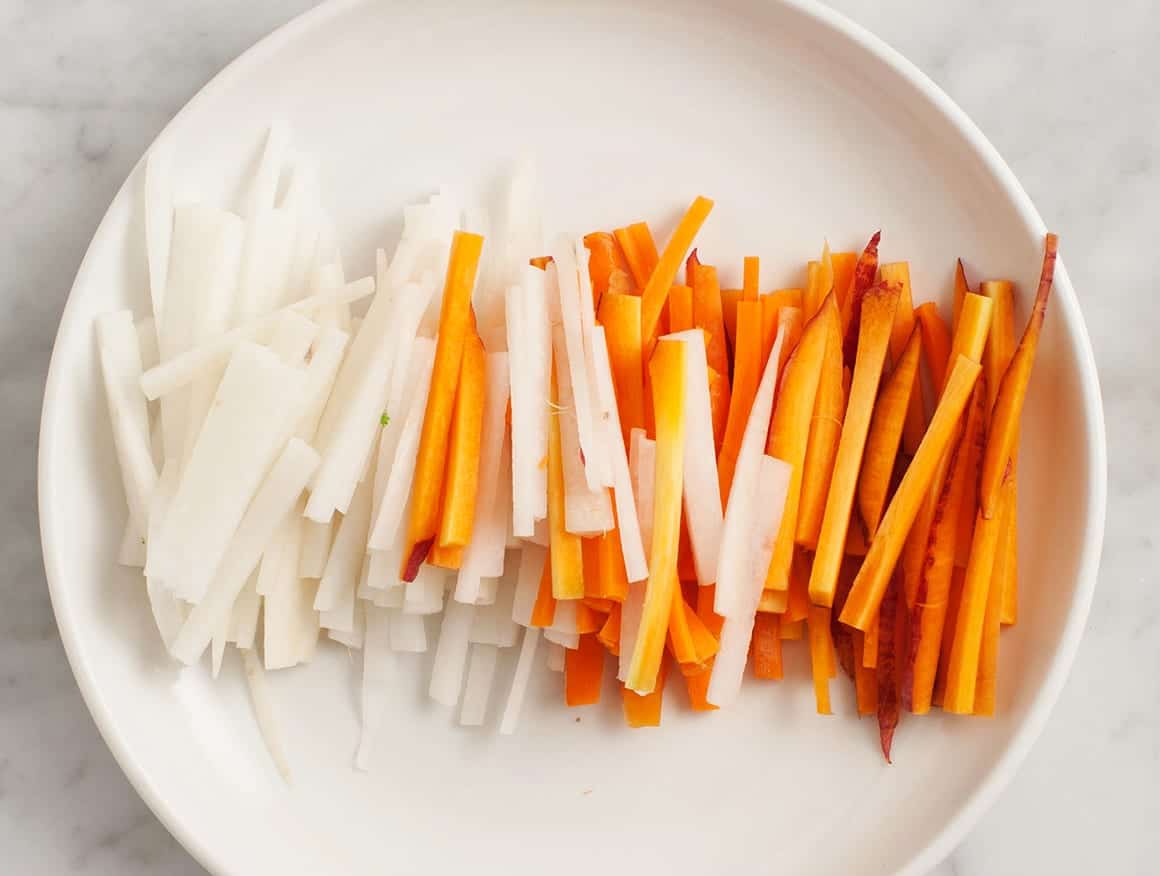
<point>1066,89</point>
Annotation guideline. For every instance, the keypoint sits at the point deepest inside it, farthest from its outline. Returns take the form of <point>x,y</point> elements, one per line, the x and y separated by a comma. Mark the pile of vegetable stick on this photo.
<point>583,441</point>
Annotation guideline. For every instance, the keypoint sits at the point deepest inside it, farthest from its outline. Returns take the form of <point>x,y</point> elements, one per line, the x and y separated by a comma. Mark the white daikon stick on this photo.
<point>408,632</point>
<point>555,654</point>
<point>531,569</point>
<point>352,639</point>
<point>326,357</point>
<point>734,567</point>
<point>158,190</point>
<point>382,570</point>
<point>147,342</point>
<point>600,410</point>
<point>121,369</point>
<point>520,678</point>
<point>480,674</point>
<point>379,669</point>
<point>343,568</point>
<point>631,544</point>
<point>451,653</point>
<point>412,300</point>
<point>265,262</point>
<point>131,553</point>
<point>766,495</point>
<point>387,527</point>
<point>702,486</point>
<point>270,508</point>
<point>563,628</point>
<point>530,358</point>
<point>424,595</point>
<point>263,184</point>
<point>168,613</point>
<point>493,624</point>
<point>258,398</point>
<point>642,462</point>
<point>244,616</point>
<point>159,504</point>
<point>489,526</point>
<point>290,622</point>
<point>564,268</point>
<point>316,542</point>
<point>293,334</point>
<point>264,713</point>
<point>488,587</point>
<point>180,370</point>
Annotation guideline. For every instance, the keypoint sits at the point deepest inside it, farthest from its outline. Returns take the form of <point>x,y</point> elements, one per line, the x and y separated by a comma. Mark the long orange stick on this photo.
<point>583,672</point>
<point>709,316</point>
<point>636,242</point>
<point>746,376</point>
<point>915,425</point>
<point>936,343</point>
<point>656,290</point>
<point>462,476</point>
<point>620,316</point>
<point>566,548</point>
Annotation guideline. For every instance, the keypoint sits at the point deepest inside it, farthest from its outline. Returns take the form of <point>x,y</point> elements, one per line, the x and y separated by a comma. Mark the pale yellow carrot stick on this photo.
<point>870,585</point>
<point>1004,427</point>
<point>567,549</point>
<point>667,369</point>
<point>886,432</point>
<point>987,675</point>
<point>656,290</point>
<point>822,448</point>
<point>876,315</point>
<point>454,323</point>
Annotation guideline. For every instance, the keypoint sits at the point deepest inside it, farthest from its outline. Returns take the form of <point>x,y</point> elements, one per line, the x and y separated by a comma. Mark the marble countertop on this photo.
<point>1065,90</point>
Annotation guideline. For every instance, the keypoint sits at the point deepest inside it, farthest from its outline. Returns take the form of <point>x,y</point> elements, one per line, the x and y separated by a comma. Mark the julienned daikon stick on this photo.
<point>632,548</point>
<point>243,624</point>
<point>642,464</point>
<point>408,632</point>
<point>387,530</point>
<point>531,568</point>
<point>572,318</point>
<point>262,187</point>
<point>735,567</point>
<point>493,624</point>
<point>178,371</point>
<point>530,354</point>
<point>316,542</point>
<point>519,686</point>
<point>289,620</point>
<point>767,493</point>
<point>702,488</point>
<point>158,197</point>
<point>121,369</point>
<point>259,398</point>
<point>202,239</point>
<point>489,530</point>
<point>131,553</point>
<point>480,674</point>
<point>379,669</point>
<point>451,653</point>
<point>344,565</point>
<point>264,712</point>
<point>424,595</point>
<point>265,266</point>
<point>271,506</point>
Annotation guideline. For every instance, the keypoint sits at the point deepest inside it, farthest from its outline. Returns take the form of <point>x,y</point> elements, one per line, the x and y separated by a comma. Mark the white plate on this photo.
<point>800,125</point>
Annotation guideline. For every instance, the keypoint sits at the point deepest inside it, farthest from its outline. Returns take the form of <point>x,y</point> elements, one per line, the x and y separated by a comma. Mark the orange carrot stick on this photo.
<point>870,654</point>
<point>866,594</point>
<point>862,280</point>
<point>789,431</point>
<point>604,257</point>
<point>798,598</point>
<point>636,242</point>
<point>822,448</point>
<point>620,316</point>
<point>987,675</point>
<point>680,308</point>
<point>932,595</point>
<point>729,301</point>
<point>588,619</point>
<point>766,647</point>
<point>454,324</point>
<point>462,475</point>
<point>915,425</point>
<point>746,375</point>
<point>1004,425</point>
<point>709,316</point>
<point>936,343</point>
<point>1009,564</point>
<point>544,609</point>
<point>680,639</point>
<point>566,547</point>
<point>771,306</point>
<point>962,289</point>
<point>887,426</point>
<point>821,655</point>
<point>751,278</point>
<point>583,672</point>
<point>656,290</point>
<point>865,679</point>
<point>609,635</point>
<point>819,283</point>
<point>667,370</point>
<point>611,575</point>
<point>719,395</point>
<point>598,604</point>
<point>644,711</point>
<point>875,319</point>
<point>844,264</point>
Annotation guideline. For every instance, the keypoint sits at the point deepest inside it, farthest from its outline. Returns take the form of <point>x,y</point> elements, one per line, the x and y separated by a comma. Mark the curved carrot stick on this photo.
<point>636,242</point>
<point>656,290</point>
<point>936,343</point>
<point>604,257</point>
<point>863,279</point>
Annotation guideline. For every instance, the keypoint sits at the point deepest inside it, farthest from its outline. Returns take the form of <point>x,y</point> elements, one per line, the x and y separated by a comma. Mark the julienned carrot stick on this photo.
<point>656,290</point>
<point>876,317</point>
<point>636,242</point>
<point>958,577</point>
<point>844,264</point>
<point>870,654</point>
<point>709,316</point>
<point>610,573</point>
<point>771,306</point>
<point>915,425</point>
<point>822,448</point>
<point>680,638</point>
<point>566,548</point>
<point>789,431</point>
<point>819,283</point>
<point>863,279</point>
<point>588,619</point>
<point>1013,390</point>
<point>462,475</point>
<point>620,316</point>
<point>1009,545</point>
<point>932,594</point>
<point>773,601</point>
<point>766,646</point>
<point>962,288</point>
<point>604,257</point>
<point>680,308</point>
<point>544,610</point>
<point>798,598</point>
<point>746,376</point>
<point>888,645</point>
<point>667,370</point>
<point>751,278</point>
<point>987,675</point>
<point>865,680</point>
<point>431,461</point>
<point>866,594</point>
<point>729,301</point>
<point>599,605</point>
<point>583,672</point>
<point>936,343</point>
<point>821,655</point>
<point>609,635</point>
<point>886,432</point>
<point>644,711</point>
<point>719,394</point>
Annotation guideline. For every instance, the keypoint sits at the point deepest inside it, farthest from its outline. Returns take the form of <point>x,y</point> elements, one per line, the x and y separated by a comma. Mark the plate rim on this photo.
<point>943,842</point>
